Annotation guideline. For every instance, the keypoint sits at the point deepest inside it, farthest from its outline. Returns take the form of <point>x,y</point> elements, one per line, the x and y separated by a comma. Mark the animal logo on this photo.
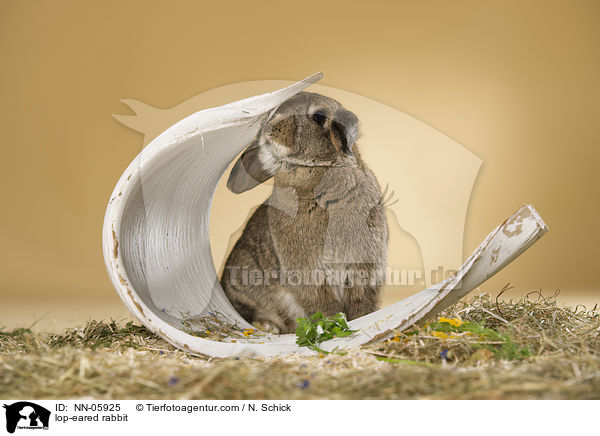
<point>26,415</point>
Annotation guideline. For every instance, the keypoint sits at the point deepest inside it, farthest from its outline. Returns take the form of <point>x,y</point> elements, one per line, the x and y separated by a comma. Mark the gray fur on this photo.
<point>325,214</point>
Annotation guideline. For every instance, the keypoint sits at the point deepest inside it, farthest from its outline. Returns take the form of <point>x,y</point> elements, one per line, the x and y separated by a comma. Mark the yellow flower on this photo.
<point>248,332</point>
<point>396,338</point>
<point>440,335</point>
<point>455,322</point>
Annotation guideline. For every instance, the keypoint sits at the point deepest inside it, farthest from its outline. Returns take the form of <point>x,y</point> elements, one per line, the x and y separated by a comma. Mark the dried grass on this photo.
<point>115,361</point>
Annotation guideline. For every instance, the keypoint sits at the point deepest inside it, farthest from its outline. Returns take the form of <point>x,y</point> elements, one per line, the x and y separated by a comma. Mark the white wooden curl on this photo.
<point>156,242</point>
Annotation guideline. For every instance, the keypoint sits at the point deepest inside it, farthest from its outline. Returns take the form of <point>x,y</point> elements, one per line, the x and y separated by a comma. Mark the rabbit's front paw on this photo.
<point>267,327</point>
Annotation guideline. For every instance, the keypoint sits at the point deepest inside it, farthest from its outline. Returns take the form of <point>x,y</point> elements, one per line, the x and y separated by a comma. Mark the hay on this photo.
<point>532,327</point>
<point>217,327</point>
<point>537,350</point>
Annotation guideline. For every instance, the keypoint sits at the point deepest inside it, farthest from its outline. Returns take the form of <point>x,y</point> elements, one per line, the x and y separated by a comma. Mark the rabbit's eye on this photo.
<point>319,117</point>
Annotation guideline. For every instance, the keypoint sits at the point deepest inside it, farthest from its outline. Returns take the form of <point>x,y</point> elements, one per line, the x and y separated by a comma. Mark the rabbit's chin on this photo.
<point>271,160</point>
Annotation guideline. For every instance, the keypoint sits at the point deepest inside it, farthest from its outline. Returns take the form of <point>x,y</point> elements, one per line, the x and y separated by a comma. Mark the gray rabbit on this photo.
<point>319,242</point>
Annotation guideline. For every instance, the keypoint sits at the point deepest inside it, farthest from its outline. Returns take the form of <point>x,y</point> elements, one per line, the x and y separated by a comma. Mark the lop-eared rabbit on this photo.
<point>319,242</point>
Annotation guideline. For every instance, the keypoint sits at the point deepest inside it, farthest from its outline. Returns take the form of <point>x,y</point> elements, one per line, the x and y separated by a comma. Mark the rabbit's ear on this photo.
<point>248,171</point>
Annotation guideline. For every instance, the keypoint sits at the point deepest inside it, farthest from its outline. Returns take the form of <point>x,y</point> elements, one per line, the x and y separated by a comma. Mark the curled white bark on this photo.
<point>156,242</point>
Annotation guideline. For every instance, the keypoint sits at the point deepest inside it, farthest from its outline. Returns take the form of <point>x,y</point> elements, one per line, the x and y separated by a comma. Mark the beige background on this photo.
<point>516,83</point>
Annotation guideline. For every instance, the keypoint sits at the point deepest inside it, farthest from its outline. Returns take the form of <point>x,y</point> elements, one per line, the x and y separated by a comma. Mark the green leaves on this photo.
<point>319,328</point>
